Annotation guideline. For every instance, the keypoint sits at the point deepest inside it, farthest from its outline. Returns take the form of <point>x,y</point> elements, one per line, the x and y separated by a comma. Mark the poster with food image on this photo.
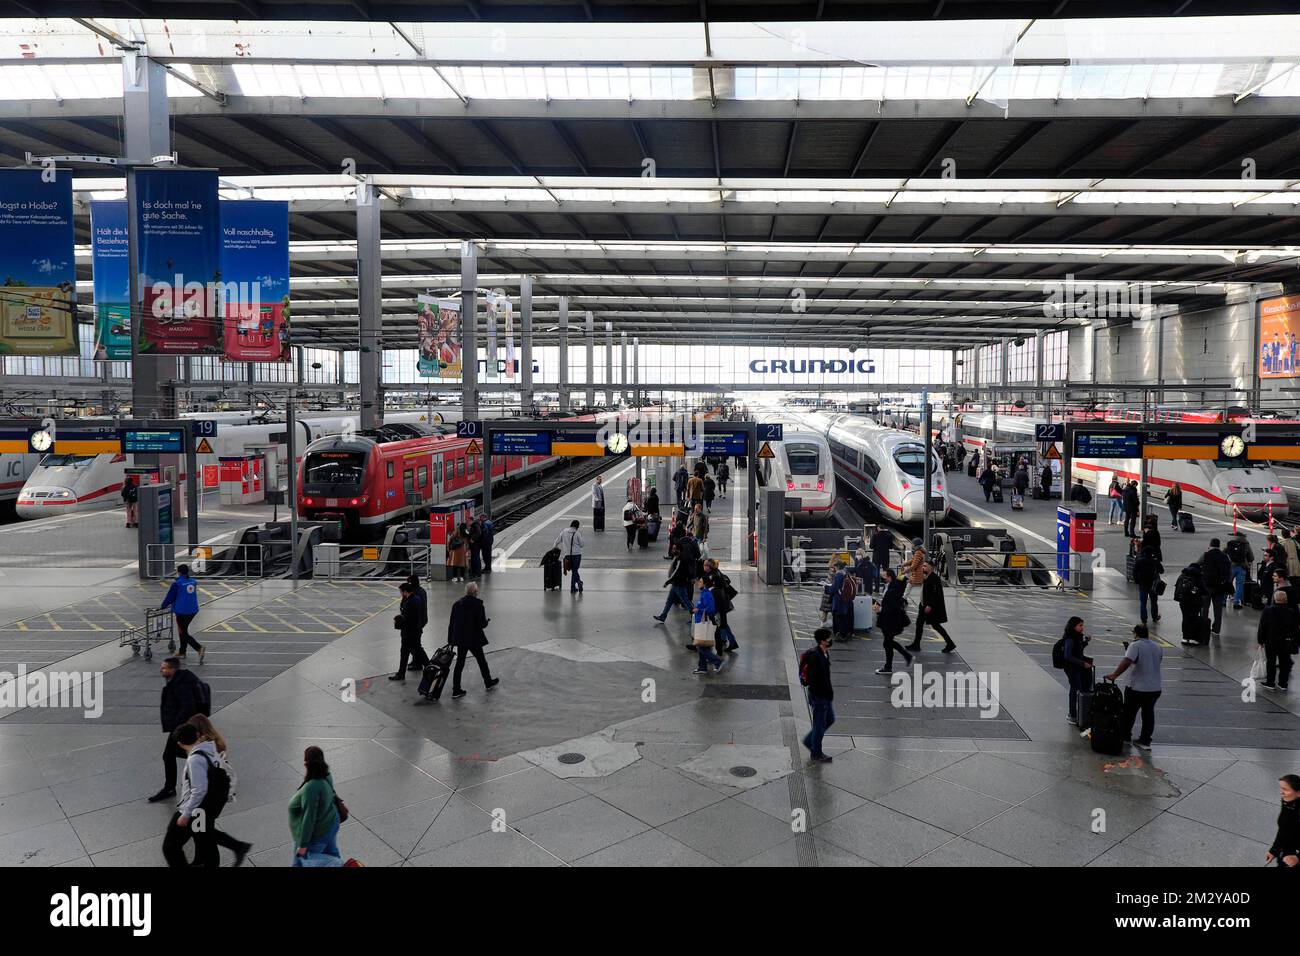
<point>38,274</point>
<point>255,280</point>
<point>438,337</point>
<point>178,224</point>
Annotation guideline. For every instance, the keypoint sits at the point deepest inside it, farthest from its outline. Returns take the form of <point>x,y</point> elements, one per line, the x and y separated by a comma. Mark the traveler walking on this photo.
<point>1151,536</point>
<point>183,598</point>
<point>679,485</point>
<point>1116,495</point>
<point>1132,505</point>
<point>1045,480</point>
<point>881,544</point>
<point>1175,502</point>
<point>652,502</point>
<point>1021,479</point>
<point>710,490</point>
<point>569,541</point>
<point>474,544</point>
<point>183,696</point>
<point>1242,557</point>
<point>458,552</point>
<point>131,498</point>
<point>1285,848</point>
<point>868,574</point>
<point>724,476</point>
<point>694,492</point>
<point>893,620</point>
<point>1217,571</point>
<point>1192,596</point>
<point>933,610</point>
<point>702,634</point>
<point>1144,687</point>
<point>680,578</point>
<point>465,632</point>
<point>1076,664</point>
<point>1289,548</point>
<point>844,590</point>
<point>988,477</point>
<point>724,595</point>
<point>1278,634</point>
<point>205,788</point>
<point>1146,575</point>
<point>631,514</point>
<point>487,537</point>
<point>815,675</point>
<point>412,615</point>
<point>314,817</point>
<point>208,732</point>
<point>598,504</point>
<point>698,525</point>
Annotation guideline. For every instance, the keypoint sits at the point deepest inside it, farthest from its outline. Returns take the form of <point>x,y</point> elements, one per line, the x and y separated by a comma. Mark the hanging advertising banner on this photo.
<point>498,307</point>
<point>510,345</point>
<point>1279,347</point>
<point>439,338</point>
<point>38,300</point>
<point>178,221</point>
<point>255,280</point>
<point>111,267</point>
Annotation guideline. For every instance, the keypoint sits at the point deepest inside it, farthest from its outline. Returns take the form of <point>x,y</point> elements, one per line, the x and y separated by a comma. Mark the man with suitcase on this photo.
<point>1144,656</point>
<point>1241,557</point>
<point>1191,593</point>
<point>1217,568</point>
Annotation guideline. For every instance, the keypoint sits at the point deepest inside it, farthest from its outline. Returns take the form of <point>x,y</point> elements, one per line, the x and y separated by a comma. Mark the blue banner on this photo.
<point>38,300</point>
<point>255,280</point>
<point>178,219</point>
<point>111,268</point>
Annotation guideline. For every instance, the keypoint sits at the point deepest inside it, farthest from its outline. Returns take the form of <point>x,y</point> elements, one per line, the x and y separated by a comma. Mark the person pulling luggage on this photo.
<point>1143,655</point>
<point>466,631</point>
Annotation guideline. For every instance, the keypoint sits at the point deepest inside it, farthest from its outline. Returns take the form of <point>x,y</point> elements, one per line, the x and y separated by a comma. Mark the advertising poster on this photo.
<point>497,305</point>
<point>439,337</point>
<point>179,226</point>
<point>38,297</point>
<point>255,280</point>
<point>1279,337</point>
<point>510,346</point>
<point>111,268</point>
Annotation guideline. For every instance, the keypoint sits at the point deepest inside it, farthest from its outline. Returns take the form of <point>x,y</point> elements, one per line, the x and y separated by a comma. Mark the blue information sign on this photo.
<point>727,443</point>
<point>1107,444</point>
<point>770,432</point>
<point>1049,431</point>
<point>521,443</point>
<point>157,441</point>
<point>205,428</point>
<point>469,429</point>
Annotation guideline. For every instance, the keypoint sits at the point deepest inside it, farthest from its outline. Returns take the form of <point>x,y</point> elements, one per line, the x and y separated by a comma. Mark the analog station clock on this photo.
<point>1232,446</point>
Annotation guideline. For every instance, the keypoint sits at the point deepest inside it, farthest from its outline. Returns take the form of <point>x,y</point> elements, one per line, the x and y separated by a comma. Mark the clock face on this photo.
<point>41,441</point>
<point>1232,446</point>
<point>617,443</point>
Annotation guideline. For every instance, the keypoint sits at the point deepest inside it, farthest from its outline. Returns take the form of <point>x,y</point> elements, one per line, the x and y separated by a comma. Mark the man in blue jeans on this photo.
<point>815,674</point>
<point>1146,575</point>
<point>1242,556</point>
<point>570,544</point>
<point>680,581</point>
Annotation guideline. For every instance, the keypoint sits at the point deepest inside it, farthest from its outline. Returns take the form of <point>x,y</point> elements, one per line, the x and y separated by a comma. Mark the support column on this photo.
<point>622,378</point>
<point>563,370</point>
<point>526,351</point>
<point>591,361</point>
<point>636,372</point>
<point>1040,342</point>
<point>609,364</point>
<point>469,330</point>
<point>146,134</point>
<point>370,306</point>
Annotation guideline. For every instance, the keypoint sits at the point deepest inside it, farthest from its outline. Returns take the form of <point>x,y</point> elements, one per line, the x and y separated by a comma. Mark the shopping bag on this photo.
<point>1259,666</point>
<point>702,633</point>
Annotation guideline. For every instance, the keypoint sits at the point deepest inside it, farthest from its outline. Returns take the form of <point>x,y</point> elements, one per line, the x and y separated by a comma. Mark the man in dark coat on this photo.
<point>487,536</point>
<point>1218,580</point>
<point>933,610</point>
<point>679,484</point>
<point>882,542</point>
<point>411,618</point>
<point>1279,629</point>
<point>892,619</point>
<point>180,702</point>
<point>1190,592</point>
<point>465,633</point>
<point>1045,480</point>
<point>1132,503</point>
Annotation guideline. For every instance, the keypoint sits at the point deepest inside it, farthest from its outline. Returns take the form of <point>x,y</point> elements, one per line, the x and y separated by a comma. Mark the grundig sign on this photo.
<point>812,366</point>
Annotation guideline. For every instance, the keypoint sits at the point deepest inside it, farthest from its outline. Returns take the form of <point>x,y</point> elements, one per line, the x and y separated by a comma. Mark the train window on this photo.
<point>911,460</point>
<point>422,476</point>
<point>870,467</point>
<point>61,461</point>
<point>334,468</point>
<point>460,467</point>
<point>390,469</point>
<point>408,480</point>
<point>803,459</point>
<point>470,467</point>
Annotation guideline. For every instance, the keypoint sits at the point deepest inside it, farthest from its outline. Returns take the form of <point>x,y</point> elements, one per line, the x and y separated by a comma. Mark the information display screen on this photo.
<point>1107,444</point>
<point>162,441</point>
<point>521,443</point>
<point>729,443</point>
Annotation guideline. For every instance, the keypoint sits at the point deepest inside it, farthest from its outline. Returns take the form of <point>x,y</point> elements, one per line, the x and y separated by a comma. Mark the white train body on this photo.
<point>886,466</point>
<point>803,467</point>
<point>1210,487</point>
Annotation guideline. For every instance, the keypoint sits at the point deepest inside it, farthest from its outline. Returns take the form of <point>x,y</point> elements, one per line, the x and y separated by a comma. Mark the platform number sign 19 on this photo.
<point>469,429</point>
<point>205,428</point>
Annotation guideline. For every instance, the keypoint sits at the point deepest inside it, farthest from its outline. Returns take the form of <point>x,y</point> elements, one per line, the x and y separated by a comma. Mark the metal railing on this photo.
<point>209,560</point>
<point>976,568</point>
<point>350,563</point>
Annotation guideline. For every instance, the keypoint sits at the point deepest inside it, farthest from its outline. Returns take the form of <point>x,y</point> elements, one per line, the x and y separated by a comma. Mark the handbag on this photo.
<point>397,622</point>
<point>1161,585</point>
<point>702,633</point>
<point>342,808</point>
<point>1259,666</point>
<point>568,558</point>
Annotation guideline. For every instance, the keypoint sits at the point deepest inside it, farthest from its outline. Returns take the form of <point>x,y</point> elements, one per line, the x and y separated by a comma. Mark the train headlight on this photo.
<point>821,484</point>
<point>1276,489</point>
<point>1234,488</point>
<point>307,502</point>
<point>906,486</point>
<point>789,484</point>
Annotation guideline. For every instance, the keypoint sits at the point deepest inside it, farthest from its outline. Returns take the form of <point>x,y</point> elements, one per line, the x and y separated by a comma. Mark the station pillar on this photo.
<point>591,360</point>
<point>562,365</point>
<point>526,352</point>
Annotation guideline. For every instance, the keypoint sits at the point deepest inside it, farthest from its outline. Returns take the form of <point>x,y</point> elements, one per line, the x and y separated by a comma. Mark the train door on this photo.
<point>435,479</point>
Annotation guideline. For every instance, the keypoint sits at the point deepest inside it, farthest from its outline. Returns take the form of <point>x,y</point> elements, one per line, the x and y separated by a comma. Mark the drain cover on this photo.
<point>571,758</point>
<point>743,771</point>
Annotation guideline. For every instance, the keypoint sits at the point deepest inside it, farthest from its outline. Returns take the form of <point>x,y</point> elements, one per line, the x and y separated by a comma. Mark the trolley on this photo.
<point>158,626</point>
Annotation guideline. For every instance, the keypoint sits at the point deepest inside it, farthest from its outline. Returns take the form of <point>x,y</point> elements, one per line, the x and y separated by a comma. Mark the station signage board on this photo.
<point>734,444</point>
<point>521,443</point>
<point>153,441</point>
<point>1181,446</point>
<point>1107,444</point>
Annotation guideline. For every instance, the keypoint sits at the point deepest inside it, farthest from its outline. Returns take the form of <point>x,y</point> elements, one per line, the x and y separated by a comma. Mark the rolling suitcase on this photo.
<point>652,527</point>
<point>997,494</point>
<point>642,538</point>
<point>434,677</point>
<point>1106,719</point>
<point>552,570</point>
<point>864,616</point>
<point>1185,523</point>
<point>1017,501</point>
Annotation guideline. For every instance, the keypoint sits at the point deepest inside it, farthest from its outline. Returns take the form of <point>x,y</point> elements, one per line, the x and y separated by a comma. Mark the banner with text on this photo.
<point>179,228</point>
<point>255,280</point>
<point>1279,324</point>
<point>38,300</point>
<point>110,266</point>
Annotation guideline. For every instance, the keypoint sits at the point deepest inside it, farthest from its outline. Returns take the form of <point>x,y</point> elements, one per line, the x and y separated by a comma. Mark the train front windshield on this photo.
<point>334,468</point>
<point>911,461</point>
<point>59,461</point>
<point>803,459</point>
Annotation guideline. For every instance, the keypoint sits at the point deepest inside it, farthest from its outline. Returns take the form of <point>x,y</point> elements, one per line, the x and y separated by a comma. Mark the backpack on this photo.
<point>849,589</point>
<point>1186,589</point>
<point>1058,655</point>
<point>1236,550</point>
<point>219,787</point>
<point>203,697</point>
<point>804,659</point>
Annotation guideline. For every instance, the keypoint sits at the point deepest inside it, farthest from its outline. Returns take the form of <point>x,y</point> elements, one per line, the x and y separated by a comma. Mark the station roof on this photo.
<point>922,181</point>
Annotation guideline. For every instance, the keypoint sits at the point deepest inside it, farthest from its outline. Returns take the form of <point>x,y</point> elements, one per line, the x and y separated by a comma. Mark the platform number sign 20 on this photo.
<point>469,429</point>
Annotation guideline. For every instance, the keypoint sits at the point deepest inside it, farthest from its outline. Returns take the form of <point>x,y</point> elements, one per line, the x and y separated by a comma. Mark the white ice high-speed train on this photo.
<point>885,466</point>
<point>65,484</point>
<point>1211,487</point>
<point>802,465</point>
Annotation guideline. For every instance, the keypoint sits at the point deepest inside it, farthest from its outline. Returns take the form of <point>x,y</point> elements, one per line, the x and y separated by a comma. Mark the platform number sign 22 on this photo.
<point>1050,431</point>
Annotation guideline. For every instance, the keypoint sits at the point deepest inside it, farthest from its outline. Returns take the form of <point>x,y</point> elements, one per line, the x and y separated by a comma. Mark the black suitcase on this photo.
<point>652,527</point>
<point>1107,719</point>
<point>997,494</point>
<point>1185,523</point>
<point>1129,560</point>
<point>434,677</point>
<point>552,576</point>
<point>598,520</point>
<point>642,538</point>
<point>1083,708</point>
<point>1253,595</point>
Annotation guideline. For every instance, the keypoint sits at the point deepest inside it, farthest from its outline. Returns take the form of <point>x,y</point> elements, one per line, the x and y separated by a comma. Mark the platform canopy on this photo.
<point>919,179</point>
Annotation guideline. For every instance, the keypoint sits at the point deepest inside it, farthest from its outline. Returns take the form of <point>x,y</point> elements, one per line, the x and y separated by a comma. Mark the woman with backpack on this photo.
<point>205,788</point>
<point>843,590</point>
<point>893,619</point>
<point>1068,655</point>
<point>131,498</point>
<point>314,817</point>
<point>208,732</point>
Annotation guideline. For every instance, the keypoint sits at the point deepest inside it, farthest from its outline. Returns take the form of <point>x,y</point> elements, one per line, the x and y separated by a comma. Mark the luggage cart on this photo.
<point>159,626</point>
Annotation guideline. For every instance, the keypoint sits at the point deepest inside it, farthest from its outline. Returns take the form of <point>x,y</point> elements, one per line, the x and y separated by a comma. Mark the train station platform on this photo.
<point>600,747</point>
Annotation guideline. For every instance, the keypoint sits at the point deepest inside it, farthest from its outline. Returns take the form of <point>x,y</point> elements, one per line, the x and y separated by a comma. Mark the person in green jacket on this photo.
<point>313,815</point>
